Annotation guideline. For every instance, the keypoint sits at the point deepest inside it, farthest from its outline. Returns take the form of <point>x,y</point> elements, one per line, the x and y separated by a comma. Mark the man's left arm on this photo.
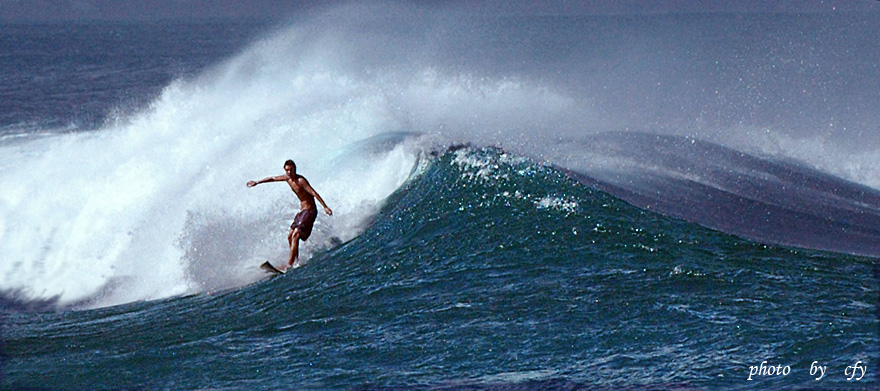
<point>317,196</point>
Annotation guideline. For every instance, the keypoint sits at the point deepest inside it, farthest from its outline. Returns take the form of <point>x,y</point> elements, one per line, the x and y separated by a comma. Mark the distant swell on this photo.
<point>764,199</point>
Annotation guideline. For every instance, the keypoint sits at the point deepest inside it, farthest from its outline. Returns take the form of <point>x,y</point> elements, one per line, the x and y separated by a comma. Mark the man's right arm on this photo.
<point>265,180</point>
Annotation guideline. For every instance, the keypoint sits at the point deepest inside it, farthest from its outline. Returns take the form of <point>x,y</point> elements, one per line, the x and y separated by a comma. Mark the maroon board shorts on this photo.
<point>304,220</point>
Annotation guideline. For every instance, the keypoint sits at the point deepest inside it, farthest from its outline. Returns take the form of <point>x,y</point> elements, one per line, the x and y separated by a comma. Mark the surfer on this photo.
<point>301,228</point>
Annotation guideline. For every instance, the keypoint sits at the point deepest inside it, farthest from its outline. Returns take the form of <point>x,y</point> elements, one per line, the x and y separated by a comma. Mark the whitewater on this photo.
<point>154,205</point>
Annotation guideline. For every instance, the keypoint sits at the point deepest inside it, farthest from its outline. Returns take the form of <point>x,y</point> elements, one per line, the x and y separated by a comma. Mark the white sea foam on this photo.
<point>156,205</point>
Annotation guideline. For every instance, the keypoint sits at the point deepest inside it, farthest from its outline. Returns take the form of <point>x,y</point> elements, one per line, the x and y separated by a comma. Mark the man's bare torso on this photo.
<point>298,184</point>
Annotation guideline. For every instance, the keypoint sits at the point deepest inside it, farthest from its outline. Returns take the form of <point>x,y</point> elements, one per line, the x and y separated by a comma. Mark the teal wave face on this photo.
<point>486,269</point>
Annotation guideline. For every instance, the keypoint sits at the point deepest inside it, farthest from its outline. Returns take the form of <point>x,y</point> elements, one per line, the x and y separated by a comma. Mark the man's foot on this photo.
<point>294,265</point>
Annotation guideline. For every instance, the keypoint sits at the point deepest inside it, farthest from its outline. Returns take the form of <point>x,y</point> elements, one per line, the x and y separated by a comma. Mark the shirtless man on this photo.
<point>302,224</point>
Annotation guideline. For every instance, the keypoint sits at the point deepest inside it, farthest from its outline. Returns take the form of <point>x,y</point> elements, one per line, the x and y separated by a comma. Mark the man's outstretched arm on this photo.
<point>279,178</point>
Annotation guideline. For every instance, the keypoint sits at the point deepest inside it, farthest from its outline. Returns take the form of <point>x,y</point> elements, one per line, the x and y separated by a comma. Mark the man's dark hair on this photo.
<point>291,164</point>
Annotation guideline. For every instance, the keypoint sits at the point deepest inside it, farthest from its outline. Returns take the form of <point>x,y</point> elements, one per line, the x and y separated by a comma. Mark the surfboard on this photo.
<point>270,269</point>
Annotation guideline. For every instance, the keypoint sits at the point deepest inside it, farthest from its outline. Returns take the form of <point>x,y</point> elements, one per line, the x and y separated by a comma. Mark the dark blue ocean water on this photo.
<point>484,235</point>
<point>81,75</point>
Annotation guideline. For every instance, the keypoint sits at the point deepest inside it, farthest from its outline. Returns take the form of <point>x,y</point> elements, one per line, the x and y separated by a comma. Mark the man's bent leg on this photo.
<point>294,247</point>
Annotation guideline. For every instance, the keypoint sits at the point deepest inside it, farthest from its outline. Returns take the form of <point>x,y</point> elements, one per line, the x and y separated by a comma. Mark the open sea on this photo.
<point>521,202</point>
